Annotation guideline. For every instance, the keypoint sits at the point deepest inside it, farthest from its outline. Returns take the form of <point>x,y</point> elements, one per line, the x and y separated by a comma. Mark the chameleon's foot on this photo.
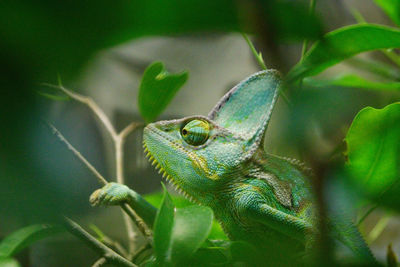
<point>110,194</point>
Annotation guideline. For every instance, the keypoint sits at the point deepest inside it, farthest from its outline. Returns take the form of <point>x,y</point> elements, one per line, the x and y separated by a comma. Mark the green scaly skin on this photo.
<point>219,161</point>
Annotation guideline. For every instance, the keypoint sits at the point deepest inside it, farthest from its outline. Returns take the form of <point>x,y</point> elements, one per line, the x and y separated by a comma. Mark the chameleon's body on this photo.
<point>219,161</point>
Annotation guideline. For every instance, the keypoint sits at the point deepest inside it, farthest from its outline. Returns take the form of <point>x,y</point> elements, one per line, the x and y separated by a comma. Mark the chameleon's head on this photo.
<point>199,154</point>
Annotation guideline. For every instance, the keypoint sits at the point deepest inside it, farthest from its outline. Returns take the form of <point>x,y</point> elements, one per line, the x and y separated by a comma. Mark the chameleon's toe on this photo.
<point>94,198</point>
<point>110,194</point>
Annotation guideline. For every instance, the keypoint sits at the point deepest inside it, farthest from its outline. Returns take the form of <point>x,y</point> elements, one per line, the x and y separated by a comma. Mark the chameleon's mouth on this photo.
<point>164,173</point>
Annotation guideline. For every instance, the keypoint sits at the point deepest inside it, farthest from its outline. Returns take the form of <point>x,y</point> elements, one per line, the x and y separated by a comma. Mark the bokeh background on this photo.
<point>101,49</point>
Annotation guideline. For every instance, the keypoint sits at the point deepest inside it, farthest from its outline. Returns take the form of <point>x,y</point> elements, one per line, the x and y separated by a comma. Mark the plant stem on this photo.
<point>378,228</point>
<point>358,16</point>
<point>100,262</point>
<point>366,214</point>
<point>257,55</point>
<point>99,177</point>
<point>118,139</point>
<point>260,61</point>
<point>104,251</point>
<point>305,42</point>
<point>128,210</point>
<point>393,56</point>
<point>376,67</point>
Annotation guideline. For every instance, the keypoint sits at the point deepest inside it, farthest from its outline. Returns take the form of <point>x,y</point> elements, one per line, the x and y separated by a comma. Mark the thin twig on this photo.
<point>393,56</point>
<point>91,104</point>
<point>367,214</point>
<point>305,42</point>
<point>261,62</point>
<point>100,262</point>
<point>139,251</point>
<point>128,129</point>
<point>128,210</point>
<point>257,55</point>
<point>378,228</point>
<point>104,251</point>
<point>99,177</point>
<point>118,142</point>
<point>115,245</point>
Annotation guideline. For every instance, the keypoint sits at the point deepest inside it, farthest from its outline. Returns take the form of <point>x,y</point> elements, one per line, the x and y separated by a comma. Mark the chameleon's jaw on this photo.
<point>161,165</point>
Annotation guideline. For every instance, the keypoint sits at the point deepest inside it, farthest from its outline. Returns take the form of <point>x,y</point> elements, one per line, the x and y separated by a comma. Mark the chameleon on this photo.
<point>219,161</point>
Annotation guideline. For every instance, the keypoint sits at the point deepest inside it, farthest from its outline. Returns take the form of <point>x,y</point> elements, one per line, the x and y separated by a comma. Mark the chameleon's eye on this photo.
<point>195,132</point>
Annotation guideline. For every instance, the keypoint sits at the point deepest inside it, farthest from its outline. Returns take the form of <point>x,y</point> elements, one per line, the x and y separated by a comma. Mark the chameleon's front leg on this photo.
<point>282,222</point>
<point>116,194</point>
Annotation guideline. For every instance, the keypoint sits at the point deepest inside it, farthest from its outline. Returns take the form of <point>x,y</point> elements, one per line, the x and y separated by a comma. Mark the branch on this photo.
<point>91,104</point>
<point>99,177</point>
<point>100,262</point>
<point>128,129</point>
<point>131,213</point>
<point>256,54</point>
<point>305,42</point>
<point>119,140</point>
<point>104,251</point>
<point>261,62</point>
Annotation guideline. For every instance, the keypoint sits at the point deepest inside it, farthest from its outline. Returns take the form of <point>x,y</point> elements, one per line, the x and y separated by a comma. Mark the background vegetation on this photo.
<point>339,112</point>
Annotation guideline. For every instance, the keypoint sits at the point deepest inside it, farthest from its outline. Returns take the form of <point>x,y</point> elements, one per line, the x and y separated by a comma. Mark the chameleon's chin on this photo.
<point>156,148</point>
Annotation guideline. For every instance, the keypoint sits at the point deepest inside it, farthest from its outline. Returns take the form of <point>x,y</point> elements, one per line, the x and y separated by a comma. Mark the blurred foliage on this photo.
<point>352,80</point>
<point>391,257</point>
<point>22,238</point>
<point>157,89</point>
<point>9,262</point>
<point>373,153</point>
<point>343,43</point>
<point>392,9</point>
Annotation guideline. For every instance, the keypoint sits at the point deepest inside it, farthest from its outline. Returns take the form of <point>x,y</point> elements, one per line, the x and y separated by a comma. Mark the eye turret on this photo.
<point>195,132</point>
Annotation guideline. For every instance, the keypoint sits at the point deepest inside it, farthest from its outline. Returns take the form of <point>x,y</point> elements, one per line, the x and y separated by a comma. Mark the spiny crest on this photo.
<point>165,175</point>
<point>299,164</point>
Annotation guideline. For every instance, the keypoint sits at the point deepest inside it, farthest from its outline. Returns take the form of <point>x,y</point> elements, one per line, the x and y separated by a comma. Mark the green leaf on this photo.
<point>155,199</point>
<point>373,149</point>
<point>391,257</point>
<point>282,20</point>
<point>163,228</point>
<point>391,8</point>
<point>245,252</point>
<point>9,262</point>
<point>53,92</point>
<point>217,232</point>
<point>180,202</point>
<point>342,44</point>
<point>213,256</point>
<point>157,89</point>
<point>97,231</point>
<point>26,236</point>
<point>54,97</point>
<point>191,228</point>
<point>352,80</point>
<point>178,233</point>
